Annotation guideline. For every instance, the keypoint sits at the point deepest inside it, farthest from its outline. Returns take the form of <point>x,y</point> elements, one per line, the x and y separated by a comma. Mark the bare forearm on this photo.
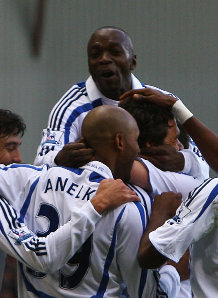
<point>148,256</point>
<point>164,207</point>
<point>205,139</point>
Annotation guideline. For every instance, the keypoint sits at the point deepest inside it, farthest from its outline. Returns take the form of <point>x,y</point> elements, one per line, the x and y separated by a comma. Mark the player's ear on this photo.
<point>133,62</point>
<point>119,141</point>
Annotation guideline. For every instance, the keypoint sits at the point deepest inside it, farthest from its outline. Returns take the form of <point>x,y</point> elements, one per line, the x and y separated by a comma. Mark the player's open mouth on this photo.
<point>107,73</point>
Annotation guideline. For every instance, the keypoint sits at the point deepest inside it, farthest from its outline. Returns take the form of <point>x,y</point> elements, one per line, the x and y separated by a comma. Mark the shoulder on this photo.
<point>132,216</point>
<point>76,90</point>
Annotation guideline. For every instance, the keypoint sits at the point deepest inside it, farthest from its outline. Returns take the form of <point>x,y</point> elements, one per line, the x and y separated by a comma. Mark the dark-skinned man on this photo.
<point>109,256</point>
<point>111,61</point>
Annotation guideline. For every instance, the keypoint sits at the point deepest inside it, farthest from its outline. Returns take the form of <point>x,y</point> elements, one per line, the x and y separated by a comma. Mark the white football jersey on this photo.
<point>47,254</point>
<point>195,224</point>
<point>195,164</point>
<point>45,199</point>
<point>66,117</point>
<point>163,181</point>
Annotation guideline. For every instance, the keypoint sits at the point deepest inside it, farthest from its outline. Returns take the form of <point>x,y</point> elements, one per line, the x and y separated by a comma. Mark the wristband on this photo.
<point>181,112</point>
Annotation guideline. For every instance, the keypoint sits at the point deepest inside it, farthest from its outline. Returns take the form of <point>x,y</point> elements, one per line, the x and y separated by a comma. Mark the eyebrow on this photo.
<point>13,143</point>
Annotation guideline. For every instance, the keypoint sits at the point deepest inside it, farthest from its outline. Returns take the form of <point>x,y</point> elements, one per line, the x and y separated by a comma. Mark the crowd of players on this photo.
<point>76,234</point>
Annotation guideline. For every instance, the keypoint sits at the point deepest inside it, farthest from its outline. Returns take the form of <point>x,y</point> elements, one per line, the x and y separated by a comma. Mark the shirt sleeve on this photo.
<point>164,181</point>
<point>16,180</point>
<point>51,143</point>
<point>143,282</point>
<point>169,280</point>
<point>45,254</point>
<point>193,220</point>
<point>195,164</point>
<point>64,126</point>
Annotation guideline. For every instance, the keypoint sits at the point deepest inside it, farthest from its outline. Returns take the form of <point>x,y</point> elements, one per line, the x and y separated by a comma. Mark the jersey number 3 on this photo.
<point>80,260</point>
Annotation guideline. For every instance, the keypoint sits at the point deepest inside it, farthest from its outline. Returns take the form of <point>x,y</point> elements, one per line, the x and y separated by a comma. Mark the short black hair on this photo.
<point>11,123</point>
<point>152,120</point>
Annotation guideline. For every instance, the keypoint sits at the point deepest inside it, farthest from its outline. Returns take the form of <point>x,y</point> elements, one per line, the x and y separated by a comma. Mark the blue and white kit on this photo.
<point>65,121</point>
<point>163,181</point>
<point>47,254</point>
<point>46,198</point>
<point>195,224</point>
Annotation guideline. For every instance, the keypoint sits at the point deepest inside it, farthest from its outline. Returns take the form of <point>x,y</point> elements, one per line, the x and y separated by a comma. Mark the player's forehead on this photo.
<point>10,139</point>
<point>109,36</point>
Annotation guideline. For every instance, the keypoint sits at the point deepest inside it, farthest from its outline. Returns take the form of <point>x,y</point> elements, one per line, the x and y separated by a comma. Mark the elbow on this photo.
<point>150,258</point>
<point>145,259</point>
<point>145,262</point>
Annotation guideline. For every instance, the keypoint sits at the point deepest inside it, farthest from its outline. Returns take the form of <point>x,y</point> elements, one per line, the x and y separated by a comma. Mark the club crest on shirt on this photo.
<point>21,235</point>
<point>180,214</point>
<point>52,137</point>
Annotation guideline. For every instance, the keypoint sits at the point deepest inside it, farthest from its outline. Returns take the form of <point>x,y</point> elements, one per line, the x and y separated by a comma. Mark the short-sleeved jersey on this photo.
<point>47,254</point>
<point>163,181</point>
<point>195,224</point>
<point>65,121</point>
<point>195,164</point>
<point>45,199</point>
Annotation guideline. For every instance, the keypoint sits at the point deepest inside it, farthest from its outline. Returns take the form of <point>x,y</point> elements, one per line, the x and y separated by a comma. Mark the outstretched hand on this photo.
<point>111,194</point>
<point>151,95</point>
<point>74,155</point>
<point>164,157</point>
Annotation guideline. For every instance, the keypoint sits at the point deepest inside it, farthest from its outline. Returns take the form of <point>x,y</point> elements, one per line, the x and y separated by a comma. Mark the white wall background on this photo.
<point>176,42</point>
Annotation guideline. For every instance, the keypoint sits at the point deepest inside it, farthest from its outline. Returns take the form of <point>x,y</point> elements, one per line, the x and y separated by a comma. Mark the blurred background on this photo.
<point>43,52</point>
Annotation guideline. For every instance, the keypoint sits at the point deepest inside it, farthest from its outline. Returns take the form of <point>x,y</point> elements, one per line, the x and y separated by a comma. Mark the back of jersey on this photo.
<point>107,258</point>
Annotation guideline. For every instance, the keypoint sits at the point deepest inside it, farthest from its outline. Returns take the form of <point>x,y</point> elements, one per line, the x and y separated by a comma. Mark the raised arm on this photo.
<point>205,139</point>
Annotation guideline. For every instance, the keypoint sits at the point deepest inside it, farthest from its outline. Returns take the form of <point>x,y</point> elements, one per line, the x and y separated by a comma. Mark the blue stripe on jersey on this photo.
<point>142,198</point>
<point>77,171</point>
<point>143,277</point>
<point>6,237</point>
<point>209,200</point>
<point>96,177</point>
<point>14,166</point>
<point>12,221</point>
<point>196,191</point>
<point>76,113</point>
<point>82,84</point>
<point>30,287</point>
<point>59,105</point>
<point>66,103</point>
<point>109,258</point>
<point>64,100</point>
<point>28,199</point>
<point>8,221</point>
<point>142,214</point>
